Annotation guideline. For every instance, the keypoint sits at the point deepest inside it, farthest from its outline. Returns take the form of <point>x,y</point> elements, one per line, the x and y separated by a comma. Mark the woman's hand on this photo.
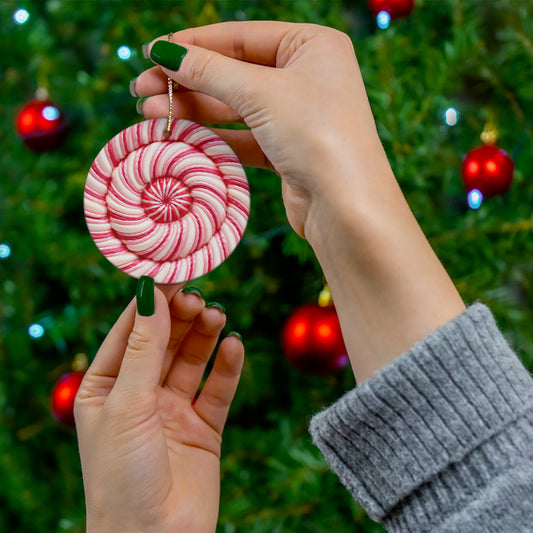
<point>150,451</point>
<point>299,89</point>
<point>308,117</point>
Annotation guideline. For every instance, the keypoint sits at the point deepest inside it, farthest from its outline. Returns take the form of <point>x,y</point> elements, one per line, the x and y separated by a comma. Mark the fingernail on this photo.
<point>133,92</point>
<point>235,334</point>
<point>220,307</point>
<point>139,105</point>
<point>146,50</point>
<point>145,296</point>
<point>167,54</point>
<point>192,290</point>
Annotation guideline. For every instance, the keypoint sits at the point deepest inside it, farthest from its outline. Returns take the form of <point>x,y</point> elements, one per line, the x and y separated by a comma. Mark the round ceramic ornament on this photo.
<point>168,200</point>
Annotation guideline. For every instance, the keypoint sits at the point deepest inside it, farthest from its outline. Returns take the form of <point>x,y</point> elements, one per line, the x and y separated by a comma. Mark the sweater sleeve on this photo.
<point>440,440</point>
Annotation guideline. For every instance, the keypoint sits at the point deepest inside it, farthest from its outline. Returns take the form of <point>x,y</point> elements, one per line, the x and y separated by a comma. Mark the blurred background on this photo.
<point>439,74</point>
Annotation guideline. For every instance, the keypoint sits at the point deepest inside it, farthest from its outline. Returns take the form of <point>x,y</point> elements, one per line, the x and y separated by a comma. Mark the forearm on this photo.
<point>388,285</point>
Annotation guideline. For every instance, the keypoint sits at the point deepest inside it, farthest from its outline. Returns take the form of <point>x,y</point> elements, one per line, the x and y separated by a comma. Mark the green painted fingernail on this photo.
<point>235,334</point>
<point>133,92</point>
<point>220,307</point>
<point>167,54</point>
<point>139,105</point>
<point>192,290</point>
<point>145,296</point>
<point>146,50</point>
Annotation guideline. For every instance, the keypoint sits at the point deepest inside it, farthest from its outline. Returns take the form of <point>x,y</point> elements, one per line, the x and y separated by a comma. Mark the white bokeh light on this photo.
<point>50,112</point>
<point>451,116</point>
<point>5,250</point>
<point>475,199</point>
<point>383,20</point>
<point>36,331</point>
<point>21,16</point>
<point>124,52</point>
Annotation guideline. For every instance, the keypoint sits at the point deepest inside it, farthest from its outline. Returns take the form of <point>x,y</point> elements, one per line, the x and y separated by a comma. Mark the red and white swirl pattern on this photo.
<point>170,208</point>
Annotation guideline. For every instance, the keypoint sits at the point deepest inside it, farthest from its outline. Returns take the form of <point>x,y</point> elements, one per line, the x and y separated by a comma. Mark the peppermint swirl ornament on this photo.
<point>170,203</point>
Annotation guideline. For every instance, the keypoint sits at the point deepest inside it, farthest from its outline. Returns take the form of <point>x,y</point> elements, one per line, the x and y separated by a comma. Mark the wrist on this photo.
<point>106,527</point>
<point>101,519</point>
<point>350,194</point>
<point>389,288</point>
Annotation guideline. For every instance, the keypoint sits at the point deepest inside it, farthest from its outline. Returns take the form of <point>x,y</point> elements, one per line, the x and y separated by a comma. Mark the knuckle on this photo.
<point>193,358</point>
<point>77,408</point>
<point>82,394</point>
<point>138,344</point>
<point>343,38</point>
<point>200,67</point>
<point>217,400</point>
<point>239,46</point>
<point>332,35</point>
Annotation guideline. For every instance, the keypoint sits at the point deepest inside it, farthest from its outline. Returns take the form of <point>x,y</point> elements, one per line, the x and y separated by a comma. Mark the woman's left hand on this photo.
<point>149,444</point>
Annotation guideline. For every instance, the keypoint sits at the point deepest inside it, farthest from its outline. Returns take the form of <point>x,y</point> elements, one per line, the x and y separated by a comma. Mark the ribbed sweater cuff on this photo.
<point>420,428</point>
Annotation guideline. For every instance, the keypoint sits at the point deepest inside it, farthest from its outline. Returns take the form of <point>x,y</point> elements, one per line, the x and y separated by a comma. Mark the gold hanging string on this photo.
<point>172,86</point>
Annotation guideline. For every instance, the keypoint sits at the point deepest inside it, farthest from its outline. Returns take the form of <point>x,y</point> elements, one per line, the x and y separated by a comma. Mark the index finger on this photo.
<point>252,41</point>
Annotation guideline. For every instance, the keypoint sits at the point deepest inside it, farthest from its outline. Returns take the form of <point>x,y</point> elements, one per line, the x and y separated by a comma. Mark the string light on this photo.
<point>124,52</point>
<point>451,116</point>
<point>36,331</point>
<point>383,20</point>
<point>21,16</point>
<point>5,250</point>
<point>475,199</point>
<point>50,112</point>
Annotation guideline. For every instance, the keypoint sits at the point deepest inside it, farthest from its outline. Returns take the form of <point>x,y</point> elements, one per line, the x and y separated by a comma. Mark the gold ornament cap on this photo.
<point>80,362</point>
<point>324,298</point>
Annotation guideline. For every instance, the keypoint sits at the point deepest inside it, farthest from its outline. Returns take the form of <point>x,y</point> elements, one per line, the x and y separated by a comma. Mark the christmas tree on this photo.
<point>436,78</point>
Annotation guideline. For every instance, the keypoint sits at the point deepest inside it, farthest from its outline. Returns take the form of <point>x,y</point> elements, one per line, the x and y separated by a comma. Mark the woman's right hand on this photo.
<point>296,86</point>
<point>299,89</point>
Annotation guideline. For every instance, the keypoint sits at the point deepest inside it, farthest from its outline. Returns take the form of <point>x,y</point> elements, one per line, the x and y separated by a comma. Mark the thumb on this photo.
<point>229,80</point>
<point>147,343</point>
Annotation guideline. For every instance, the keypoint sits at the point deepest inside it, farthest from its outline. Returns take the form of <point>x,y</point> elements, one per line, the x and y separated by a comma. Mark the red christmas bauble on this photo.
<point>395,8</point>
<point>312,340</point>
<point>41,125</point>
<point>488,169</point>
<point>63,396</point>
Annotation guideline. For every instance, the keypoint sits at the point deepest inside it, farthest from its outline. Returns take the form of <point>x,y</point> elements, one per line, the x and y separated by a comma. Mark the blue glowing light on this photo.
<point>451,116</point>
<point>50,112</point>
<point>36,331</point>
<point>124,52</point>
<point>383,20</point>
<point>475,198</point>
<point>5,251</point>
<point>21,16</point>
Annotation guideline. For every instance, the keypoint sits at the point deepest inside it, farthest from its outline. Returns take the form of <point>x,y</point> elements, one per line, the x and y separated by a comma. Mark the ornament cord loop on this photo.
<point>172,86</point>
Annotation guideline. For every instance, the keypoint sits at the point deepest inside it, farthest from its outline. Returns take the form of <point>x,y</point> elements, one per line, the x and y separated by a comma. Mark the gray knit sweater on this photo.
<point>440,440</point>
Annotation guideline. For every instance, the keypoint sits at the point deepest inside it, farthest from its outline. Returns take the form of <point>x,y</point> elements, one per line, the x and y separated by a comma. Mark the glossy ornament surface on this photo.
<point>312,340</point>
<point>395,8</point>
<point>63,396</point>
<point>487,169</point>
<point>41,125</point>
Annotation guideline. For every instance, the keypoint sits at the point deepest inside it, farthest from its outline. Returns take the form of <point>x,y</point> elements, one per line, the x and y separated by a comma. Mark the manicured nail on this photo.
<point>133,92</point>
<point>145,296</point>
<point>192,290</point>
<point>167,54</point>
<point>139,105</point>
<point>146,50</point>
<point>235,334</point>
<point>220,307</point>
